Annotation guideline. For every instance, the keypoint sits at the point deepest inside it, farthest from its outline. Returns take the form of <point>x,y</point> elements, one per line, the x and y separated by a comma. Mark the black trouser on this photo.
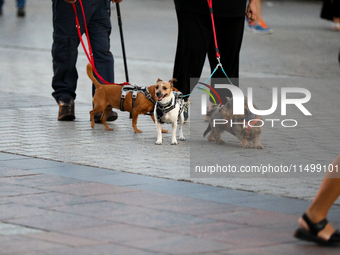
<point>195,41</point>
<point>66,41</point>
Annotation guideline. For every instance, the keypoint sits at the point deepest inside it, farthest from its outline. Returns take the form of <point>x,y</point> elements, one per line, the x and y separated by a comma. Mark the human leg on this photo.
<point>64,55</point>
<point>99,27</point>
<point>259,26</point>
<point>192,45</point>
<point>21,8</point>
<point>64,51</point>
<point>329,191</point>
<point>1,4</point>
<point>20,3</point>
<point>194,35</point>
<point>336,23</point>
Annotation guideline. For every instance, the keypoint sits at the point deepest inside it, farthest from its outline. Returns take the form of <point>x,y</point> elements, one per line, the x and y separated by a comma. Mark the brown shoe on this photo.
<point>111,117</point>
<point>66,110</point>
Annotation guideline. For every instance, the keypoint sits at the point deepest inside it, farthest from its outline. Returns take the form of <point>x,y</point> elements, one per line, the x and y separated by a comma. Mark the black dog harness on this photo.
<point>162,109</point>
<point>135,90</point>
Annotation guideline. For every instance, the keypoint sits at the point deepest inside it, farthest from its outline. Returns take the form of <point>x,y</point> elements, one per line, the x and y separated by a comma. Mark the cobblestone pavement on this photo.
<point>302,46</point>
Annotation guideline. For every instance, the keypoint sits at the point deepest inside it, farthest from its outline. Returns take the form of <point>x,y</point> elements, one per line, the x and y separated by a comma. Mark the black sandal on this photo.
<point>314,229</point>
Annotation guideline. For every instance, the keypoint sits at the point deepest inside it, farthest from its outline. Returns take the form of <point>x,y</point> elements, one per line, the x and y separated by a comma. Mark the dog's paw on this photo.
<point>137,131</point>
<point>174,143</point>
<point>109,129</point>
<point>245,144</point>
<point>158,143</point>
<point>164,131</point>
<point>220,141</point>
<point>258,146</point>
<point>182,138</point>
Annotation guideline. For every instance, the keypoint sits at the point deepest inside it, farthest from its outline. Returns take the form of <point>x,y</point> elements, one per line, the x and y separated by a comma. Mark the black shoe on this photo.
<point>66,110</point>
<point>112,117</point>
<point>311,235</point>
<point>21,12</point>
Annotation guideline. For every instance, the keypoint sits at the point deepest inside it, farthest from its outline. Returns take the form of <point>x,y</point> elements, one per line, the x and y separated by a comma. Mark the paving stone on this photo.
<point>122,233</point>
<point>48,199</point>
<point>11,211</point>
<point>64,239</point>
<point>55,221</point>
<point>21,244</point>
<point>106,249</point>
<point>87,189</point>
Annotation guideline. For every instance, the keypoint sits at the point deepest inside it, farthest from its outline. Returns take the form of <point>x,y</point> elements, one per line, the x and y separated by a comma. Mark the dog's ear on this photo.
<point>228,98</point>
<point>229,103</point>
<point>158,80</point>
<point>172,81</point>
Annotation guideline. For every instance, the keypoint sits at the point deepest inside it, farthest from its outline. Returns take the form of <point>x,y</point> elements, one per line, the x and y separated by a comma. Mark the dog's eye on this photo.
<point>164,88</point>
<point>157,87</point>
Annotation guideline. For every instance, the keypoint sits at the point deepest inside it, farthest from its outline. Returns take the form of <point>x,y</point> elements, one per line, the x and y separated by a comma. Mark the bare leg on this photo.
<point>336,23</point>
<point>329,191</point>
<point>259,11</point>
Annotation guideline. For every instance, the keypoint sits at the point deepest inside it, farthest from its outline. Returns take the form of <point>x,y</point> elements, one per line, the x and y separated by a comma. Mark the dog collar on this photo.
<point>164,106</point>
<point>250,116</point>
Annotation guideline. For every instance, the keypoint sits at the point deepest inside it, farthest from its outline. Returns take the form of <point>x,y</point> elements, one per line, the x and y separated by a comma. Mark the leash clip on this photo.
<point>219,62</point>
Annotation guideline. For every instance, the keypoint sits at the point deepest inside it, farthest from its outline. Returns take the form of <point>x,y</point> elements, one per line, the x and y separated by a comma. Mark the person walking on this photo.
<point>196,40</point>
<point>258,25</point>
<point>314,226</point>
<point>20,6</point>
<point>65,53</point>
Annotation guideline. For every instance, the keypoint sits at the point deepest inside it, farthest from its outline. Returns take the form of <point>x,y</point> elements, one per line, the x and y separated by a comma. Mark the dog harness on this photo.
<point>162,109</point>
<point>135,90</point>
<point>247,127</point>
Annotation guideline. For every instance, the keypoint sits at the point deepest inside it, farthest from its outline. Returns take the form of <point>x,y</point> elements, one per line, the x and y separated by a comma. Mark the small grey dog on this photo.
<point>249,131</point>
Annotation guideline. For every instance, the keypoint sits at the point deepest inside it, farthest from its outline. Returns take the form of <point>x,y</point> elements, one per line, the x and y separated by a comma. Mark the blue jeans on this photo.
<point>20,3</point>
<point>66,41</point>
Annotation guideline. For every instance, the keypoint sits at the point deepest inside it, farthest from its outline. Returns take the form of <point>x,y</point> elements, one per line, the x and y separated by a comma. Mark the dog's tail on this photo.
<point>89,72</point>
<point>207,131</point>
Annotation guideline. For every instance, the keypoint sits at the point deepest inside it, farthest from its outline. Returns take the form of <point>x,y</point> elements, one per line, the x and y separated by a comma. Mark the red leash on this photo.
<point>89,54</point>
<point>213,25</point>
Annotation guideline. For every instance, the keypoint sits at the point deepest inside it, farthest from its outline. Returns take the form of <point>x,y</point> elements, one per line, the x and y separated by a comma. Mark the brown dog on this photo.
<point>108,96</point>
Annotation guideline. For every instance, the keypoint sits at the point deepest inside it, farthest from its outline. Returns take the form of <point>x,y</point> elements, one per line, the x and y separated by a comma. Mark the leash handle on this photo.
<point>213,26</point>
